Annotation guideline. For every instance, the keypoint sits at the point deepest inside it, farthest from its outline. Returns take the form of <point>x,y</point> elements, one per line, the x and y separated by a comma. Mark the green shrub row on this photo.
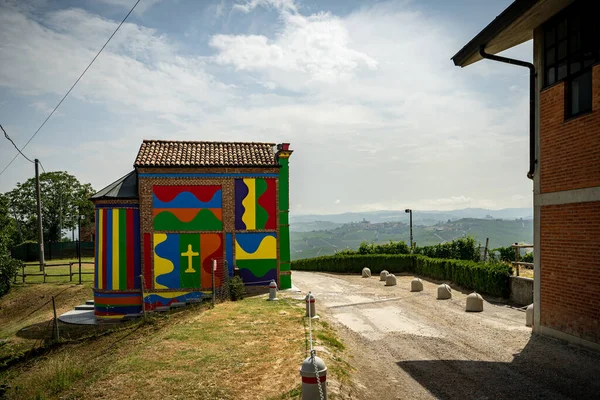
<point>354,263</point>
<point>491,279</point>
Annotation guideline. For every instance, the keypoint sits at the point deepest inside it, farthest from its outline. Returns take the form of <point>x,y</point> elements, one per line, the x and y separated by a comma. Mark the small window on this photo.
<point>571,47</point>
<point>579,91</point>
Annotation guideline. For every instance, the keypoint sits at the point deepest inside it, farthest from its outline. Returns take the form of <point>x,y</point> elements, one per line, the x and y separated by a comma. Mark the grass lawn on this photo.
<point>250,349</point>
<point>32,272</point>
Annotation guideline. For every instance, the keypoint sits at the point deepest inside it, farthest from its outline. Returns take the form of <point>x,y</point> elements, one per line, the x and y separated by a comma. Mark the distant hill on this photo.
<point>501,232</point>
<point>298,222</point>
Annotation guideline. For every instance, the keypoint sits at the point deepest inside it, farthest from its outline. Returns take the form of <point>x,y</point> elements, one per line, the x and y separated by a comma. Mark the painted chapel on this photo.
<point>188,208</point>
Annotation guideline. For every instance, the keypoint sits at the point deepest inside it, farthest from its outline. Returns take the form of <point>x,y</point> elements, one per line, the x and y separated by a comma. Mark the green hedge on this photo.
<point>354,263</point>
<point>491,279</point>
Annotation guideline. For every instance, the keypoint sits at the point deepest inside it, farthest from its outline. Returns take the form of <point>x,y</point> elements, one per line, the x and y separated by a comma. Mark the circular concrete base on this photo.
<point>79,317</point>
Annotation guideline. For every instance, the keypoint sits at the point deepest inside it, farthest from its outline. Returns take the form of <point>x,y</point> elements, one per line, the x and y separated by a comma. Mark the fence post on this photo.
<point>143,302</point>
<point>70,272</point>
<point>214,267</point>
<point>23,272</point>
<point>80,263</point>
<point>517,251</point>
<point>55,321</point>
<point>485,251</point>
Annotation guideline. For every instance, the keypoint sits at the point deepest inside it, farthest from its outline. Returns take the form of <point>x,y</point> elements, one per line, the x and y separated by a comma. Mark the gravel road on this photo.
<point>411,346</point>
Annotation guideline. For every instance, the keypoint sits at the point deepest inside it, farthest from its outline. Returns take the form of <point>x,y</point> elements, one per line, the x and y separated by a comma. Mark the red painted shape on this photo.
<point>147,262</point>
<point>313,381</point>
<point>103,213</point>
<point>168,193</point>
<point>268,202</point>
<point>130,249</point>
<point>211,247</point>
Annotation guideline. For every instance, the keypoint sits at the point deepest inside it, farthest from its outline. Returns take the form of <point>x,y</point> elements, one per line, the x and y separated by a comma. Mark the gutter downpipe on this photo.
<point>532,76</point>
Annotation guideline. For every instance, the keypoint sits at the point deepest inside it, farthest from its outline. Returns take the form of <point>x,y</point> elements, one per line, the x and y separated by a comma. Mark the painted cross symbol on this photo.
<point>190,255</point>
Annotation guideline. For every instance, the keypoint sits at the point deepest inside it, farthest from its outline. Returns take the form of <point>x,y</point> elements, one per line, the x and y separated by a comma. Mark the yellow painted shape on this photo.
<point>161,265</point>
<point>110,316</point>
<point>267,250</point>
<point>99,239</point>
<point>190,256</point>
<point>115,249</point>
<point>249,203</point>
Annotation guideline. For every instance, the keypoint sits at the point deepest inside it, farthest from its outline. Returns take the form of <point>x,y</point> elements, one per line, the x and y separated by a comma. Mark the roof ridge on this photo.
<point>203,141</point>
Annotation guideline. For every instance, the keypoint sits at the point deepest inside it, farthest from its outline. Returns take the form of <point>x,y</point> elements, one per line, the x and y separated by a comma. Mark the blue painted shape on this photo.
<point>251,280</point>
<point>250,241</point>
<point>229,252</point>
<point>239,175</point>
<point>188,200</point>
<point>108,232</point>
<point>169,249</point>
<point>117,206</point>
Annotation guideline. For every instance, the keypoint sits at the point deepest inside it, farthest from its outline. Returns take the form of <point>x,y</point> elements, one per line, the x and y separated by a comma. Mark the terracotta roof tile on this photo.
<point>168,153</point>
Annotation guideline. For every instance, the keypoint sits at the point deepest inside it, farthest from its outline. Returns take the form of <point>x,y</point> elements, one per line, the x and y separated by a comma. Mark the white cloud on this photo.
<point>127,4</point>
<point>374,108</point>
<point>316,48</point>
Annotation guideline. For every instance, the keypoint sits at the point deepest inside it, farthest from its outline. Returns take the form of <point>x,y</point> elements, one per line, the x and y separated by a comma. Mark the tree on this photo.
<point>64,198</point>
<point>8,237</point>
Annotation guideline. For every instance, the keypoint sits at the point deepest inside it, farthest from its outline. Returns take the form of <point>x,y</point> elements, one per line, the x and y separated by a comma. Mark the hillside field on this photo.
<point>349,236</point>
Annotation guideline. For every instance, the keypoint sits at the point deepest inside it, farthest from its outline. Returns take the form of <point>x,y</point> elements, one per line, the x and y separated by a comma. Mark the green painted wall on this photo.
<point>285,281</point>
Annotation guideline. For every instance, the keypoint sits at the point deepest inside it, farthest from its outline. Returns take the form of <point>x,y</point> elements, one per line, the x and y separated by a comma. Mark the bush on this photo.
<point>354,263</point>
<point>488,278</point>
<point>458,249</point>
<point>387,248</point>
<point>236,287</point>
<point>8,269</point>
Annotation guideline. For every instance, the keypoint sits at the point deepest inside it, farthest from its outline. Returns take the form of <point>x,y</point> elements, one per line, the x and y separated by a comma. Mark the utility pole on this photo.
<point>409,211</point>
<point>39,214</point>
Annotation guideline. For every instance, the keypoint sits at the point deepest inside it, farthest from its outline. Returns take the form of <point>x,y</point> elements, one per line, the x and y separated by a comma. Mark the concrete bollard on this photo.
<point>310,383</point>
<point>474,302</point>
<point>390,280</point>
<point>311,310</point>
<point>366,273</point>
<point>529,315</point>
<point>272,291</point>
<point>383,275</point>
<point>416,285</point>
<point>444,292</point>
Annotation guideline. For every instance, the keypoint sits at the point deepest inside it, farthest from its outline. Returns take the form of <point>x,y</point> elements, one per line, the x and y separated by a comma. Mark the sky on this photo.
<point>377,114</point>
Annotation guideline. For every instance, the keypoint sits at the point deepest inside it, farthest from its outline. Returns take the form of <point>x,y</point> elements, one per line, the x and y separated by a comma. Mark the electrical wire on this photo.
<point>13,143</point>
<point>73,86</point>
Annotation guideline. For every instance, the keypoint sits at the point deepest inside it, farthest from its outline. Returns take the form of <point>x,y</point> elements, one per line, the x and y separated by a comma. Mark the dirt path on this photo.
<point>411,346</point>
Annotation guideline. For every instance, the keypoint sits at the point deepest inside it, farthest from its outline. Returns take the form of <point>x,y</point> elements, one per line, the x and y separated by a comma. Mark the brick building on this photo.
<point>186,206</point>
<point>564,155</point>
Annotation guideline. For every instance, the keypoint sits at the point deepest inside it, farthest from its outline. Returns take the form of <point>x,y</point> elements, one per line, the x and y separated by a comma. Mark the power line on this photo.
<point>13,143</point>
<point>77,81</point>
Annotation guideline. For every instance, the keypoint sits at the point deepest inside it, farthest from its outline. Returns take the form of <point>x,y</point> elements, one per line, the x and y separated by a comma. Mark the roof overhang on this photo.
<point>513,26</point>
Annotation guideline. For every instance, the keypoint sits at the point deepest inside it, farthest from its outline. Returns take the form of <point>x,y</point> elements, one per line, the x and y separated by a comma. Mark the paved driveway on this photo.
<point>411,346</point>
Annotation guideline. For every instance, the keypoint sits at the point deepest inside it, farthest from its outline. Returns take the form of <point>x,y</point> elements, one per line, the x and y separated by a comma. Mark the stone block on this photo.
<point>416,285</point>
<point>444,292</point>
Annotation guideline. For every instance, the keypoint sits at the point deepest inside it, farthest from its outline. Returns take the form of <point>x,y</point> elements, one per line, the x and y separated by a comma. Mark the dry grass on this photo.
<point>25,313</point>
<point>251,349</point>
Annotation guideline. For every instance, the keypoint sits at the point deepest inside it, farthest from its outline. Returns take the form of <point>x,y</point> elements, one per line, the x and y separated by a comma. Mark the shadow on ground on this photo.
<point>545,369</point>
